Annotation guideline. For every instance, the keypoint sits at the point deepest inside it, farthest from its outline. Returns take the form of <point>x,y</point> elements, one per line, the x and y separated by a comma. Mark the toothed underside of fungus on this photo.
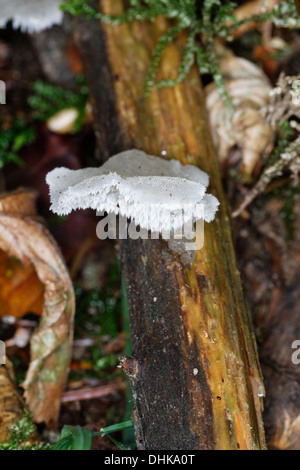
<point>32,15</point>
<point>139,186</point>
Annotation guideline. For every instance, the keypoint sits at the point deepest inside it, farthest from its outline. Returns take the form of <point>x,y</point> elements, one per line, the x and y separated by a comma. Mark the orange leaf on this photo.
<point>21,291</point>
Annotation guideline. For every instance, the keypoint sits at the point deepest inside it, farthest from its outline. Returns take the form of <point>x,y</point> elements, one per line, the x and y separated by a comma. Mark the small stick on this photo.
<point>88,393</point>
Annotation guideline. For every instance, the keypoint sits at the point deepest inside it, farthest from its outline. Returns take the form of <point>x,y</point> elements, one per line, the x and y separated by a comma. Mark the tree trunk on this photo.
<point>195,374</point>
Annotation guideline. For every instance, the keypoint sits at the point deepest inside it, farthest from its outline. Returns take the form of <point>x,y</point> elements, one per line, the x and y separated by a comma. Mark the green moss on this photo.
<point>214,19</point>
<point>21,431</point>
<point>45,101</point>
<point>13,138</point>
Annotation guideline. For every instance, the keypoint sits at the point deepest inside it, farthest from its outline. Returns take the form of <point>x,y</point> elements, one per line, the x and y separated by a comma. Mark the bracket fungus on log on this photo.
<point>150,190</point>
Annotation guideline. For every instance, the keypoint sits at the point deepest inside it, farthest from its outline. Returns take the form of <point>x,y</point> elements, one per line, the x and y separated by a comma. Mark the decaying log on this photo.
<point>195,374</point>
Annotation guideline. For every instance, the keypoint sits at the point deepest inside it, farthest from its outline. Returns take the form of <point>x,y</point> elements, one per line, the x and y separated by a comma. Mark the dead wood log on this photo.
<point>195,374</point>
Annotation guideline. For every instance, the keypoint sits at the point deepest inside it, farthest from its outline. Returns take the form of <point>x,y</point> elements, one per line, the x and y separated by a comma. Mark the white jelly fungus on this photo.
<point>30,15</point>
<point>141,187</point>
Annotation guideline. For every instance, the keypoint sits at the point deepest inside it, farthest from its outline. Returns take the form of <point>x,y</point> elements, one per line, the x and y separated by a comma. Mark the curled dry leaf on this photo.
<point>24,237</point>
<point>244,127</point>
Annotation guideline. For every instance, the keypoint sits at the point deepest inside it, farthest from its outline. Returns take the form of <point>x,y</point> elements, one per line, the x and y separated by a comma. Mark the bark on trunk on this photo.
<point>195,375</point>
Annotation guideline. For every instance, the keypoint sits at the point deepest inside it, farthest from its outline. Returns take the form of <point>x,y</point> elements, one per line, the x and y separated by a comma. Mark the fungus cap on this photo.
<point>142,187</point>
<point>31,15</point>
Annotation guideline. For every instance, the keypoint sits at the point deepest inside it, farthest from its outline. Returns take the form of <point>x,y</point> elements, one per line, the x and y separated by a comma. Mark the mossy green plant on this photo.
<point>214,19</point>
<point>45,101</point>
<point>21,433</point>
<point>13,137</point>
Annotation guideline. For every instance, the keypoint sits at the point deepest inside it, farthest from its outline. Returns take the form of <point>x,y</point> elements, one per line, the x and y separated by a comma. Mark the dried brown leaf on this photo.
<point>28,240</point>
<point>245,127</point>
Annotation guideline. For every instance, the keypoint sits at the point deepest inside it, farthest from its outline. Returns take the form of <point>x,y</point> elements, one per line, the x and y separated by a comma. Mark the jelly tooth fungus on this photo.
<point>30,15</point>
<point>144,188</point>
